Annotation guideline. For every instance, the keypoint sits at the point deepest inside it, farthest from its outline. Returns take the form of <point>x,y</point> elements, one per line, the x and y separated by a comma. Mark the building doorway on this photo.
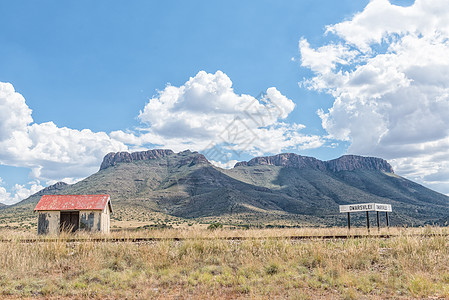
<point>69,221</point>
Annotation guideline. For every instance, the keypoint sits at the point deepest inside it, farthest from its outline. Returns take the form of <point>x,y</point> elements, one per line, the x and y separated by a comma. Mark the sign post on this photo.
<point>378,223</point>
<point>349,221</point>
<point>367,220</point>
<point>367,207</point>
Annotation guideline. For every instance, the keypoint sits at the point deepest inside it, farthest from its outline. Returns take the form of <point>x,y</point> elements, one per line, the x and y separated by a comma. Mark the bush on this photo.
<point>272,269</point>
<point>214,226</point>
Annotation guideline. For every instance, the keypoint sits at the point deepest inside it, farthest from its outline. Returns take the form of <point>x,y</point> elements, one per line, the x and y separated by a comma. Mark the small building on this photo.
<point>73,212</point>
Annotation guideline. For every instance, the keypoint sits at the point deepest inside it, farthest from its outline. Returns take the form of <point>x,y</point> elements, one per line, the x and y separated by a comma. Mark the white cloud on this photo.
<point>206,111</point>
<point>382,21</point>
<point>325,58</point>
<point>52,153</point>
<point>19,192</point>
<point>226,165</point>
<point>15,115</point>
<point>388,70</point>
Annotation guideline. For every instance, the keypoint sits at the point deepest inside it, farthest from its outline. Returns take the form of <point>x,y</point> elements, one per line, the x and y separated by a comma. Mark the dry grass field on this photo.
<point>206,265</point>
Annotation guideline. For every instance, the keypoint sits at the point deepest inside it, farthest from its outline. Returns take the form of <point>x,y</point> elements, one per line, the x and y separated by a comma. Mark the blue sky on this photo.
<point>101,61</point>
<point>96,65</point>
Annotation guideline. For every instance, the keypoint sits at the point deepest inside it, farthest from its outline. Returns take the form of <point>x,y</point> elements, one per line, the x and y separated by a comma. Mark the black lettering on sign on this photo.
<point>361,207</point>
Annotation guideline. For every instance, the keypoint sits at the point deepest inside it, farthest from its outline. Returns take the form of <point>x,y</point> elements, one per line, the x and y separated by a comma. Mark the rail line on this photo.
<point>235,238</point>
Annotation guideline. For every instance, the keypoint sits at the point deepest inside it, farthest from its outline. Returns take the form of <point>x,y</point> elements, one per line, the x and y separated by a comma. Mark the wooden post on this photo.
<point>349,221</point>
<point>378,223</point>
<point>388,222</point>
<point>367,221</point>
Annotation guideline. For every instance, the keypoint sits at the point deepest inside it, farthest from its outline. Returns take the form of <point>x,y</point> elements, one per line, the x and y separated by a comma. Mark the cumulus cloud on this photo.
<point>15,115</point>
<point>226,165</point>
<point>206,112</point>
<point>51,152</point>
<point>388,69</point>
<point>19,192</point>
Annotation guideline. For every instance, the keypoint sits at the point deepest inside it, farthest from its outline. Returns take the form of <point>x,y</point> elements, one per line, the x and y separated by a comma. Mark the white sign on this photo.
<point>383,207</point>
<point>365,207</point>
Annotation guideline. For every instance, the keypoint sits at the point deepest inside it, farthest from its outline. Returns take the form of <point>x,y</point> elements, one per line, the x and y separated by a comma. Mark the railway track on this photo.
<point>235,238</point>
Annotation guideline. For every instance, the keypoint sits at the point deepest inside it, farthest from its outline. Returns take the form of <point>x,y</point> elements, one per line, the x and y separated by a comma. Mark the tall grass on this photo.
<point>405,266</point>
<point>188,232</point>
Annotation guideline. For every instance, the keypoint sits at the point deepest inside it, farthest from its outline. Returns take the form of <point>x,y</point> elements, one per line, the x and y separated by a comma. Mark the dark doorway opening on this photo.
<point>69,221</point>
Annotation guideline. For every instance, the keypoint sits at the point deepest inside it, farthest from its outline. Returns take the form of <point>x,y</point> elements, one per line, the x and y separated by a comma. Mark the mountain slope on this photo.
<point>183,184</point>
<point>284,187</point>
<point>31,201</point>
<point>352,179</point>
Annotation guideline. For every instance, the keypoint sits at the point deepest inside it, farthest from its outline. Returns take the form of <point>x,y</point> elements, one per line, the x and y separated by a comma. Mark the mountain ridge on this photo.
<point>276,188</point>
<point>290,160</point>
<point>343,163</point>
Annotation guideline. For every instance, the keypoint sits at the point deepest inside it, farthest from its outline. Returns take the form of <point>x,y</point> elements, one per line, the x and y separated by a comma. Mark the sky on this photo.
<point>230,79</point>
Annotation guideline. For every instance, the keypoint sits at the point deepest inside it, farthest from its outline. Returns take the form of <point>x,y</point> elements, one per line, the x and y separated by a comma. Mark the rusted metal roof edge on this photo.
<point>93,202</point>
<point>68,209</point>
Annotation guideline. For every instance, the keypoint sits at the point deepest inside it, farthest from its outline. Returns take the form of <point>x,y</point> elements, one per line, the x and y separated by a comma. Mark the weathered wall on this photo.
<point>95,221</point>
<point>48,222</point>
<point>90,220</point>
<point>105,220</point>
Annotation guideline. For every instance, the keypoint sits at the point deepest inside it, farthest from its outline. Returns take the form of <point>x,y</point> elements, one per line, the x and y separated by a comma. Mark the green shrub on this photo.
<point>214,226</point>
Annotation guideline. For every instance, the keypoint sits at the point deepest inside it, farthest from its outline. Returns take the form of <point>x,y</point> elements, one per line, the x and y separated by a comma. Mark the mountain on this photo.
<point>2,205</point>
<point>344,163</point>
<point>53,189</point>
<point>346,180</point>
<point>111,159</point>
<point>284,188</point>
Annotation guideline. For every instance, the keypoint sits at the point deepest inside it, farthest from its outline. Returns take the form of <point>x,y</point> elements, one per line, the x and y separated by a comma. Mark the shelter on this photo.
<point>73,212</point>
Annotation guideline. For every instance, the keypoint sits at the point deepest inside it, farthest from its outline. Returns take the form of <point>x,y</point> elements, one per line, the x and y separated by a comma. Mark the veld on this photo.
<point>204,264</point>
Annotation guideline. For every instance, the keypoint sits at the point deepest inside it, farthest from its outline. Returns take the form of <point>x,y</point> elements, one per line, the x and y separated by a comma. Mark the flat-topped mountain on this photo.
<point>282,188</point>
<point>113,158</point>
<point>344,163</point>
<point>288,160</point>
<point>354,162</point>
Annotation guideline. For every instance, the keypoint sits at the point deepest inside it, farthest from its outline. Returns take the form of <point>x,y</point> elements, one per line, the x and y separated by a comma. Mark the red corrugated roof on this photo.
<point>73,202</point>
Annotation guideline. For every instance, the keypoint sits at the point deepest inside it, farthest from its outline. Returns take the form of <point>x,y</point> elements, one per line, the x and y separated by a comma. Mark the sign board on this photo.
<point>383,207</point>
<point>365,207</point>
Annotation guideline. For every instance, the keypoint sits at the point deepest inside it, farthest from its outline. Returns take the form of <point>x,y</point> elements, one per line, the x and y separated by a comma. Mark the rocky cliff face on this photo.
<point>113,158</point>
<point>192,158</point>
<point>354,162</point>
<point>344,163</point>
<point>289,160</point>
